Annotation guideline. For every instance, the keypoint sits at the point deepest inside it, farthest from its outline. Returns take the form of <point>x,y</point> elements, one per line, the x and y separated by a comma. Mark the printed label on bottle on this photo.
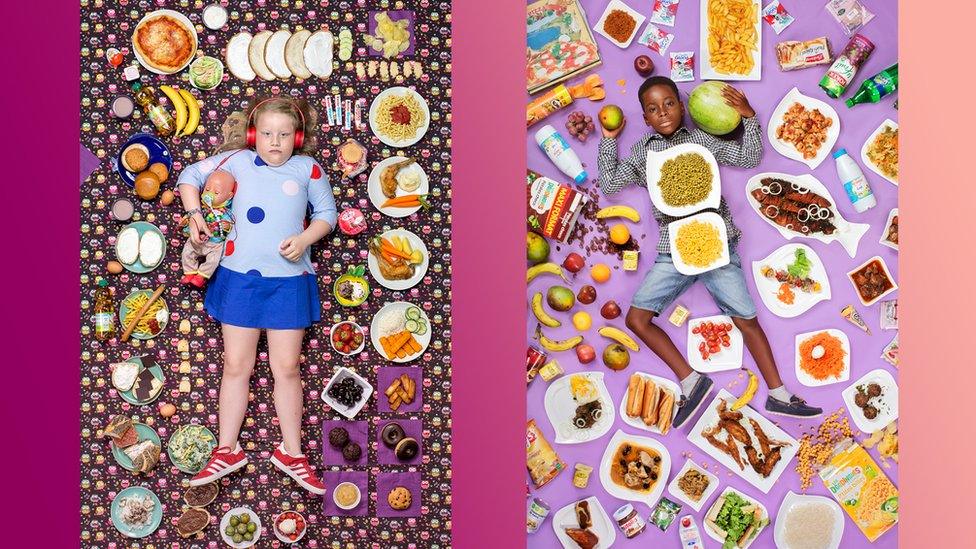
<point>857,189</point>
<point>554,145</point>
<point>103,322</point>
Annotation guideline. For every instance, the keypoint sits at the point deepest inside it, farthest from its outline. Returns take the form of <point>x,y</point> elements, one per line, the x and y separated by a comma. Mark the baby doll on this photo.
<point>201,260</point>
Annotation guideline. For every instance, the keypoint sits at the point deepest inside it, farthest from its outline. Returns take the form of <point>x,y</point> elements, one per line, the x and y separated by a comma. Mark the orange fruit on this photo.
<point>600,272</point>
<point>582,321</point>
<point>619,234</point>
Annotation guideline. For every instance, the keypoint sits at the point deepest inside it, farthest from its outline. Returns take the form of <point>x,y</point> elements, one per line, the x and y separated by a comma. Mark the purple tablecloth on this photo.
<point>758,240</point>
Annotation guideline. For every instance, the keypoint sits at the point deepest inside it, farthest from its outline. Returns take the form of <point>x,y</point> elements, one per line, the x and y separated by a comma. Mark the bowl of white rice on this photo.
<point>808,522</point>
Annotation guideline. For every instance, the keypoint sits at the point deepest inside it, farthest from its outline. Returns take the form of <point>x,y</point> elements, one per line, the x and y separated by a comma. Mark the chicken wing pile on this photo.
<point>736,433</point>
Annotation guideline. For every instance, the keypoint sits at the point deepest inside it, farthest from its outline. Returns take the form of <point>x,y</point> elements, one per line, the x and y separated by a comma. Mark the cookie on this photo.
<point>352,452</point>
<point>400,498</point>
<point>392,434</point>
<point>407,449</point>
<point>338,437</point>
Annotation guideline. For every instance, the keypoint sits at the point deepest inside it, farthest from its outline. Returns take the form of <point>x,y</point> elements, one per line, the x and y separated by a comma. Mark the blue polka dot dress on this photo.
<point>255,286</point>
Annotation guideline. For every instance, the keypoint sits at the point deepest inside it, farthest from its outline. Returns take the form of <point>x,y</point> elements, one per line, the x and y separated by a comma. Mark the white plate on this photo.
<point>889,396</point>
<point>711,218</point>
<point>809,380</point>
<point>888,123</point>
<point>768,288</point>
<point>560,407</point>
<point>637,422</point>
<point>729,358</point>
<point>787,149</point>
<point>421,131</point>
<point>340,373</point>
<point>731,490</point>
<point>675,491</point>
<point>376,195</point>
<point>710,418</point>
<point>186,25</point>
<point>648,498</point>
<point>884,234</point>
<point>401,306</point>
<point>603,527</point>
<point>847,234</point>
<point>655,161</point>
<point>618,5</point>
<point>419,270</point>
<point>225,520</point>
<point>793,499</point>
<point>707,72</point>
<point>884,267</point>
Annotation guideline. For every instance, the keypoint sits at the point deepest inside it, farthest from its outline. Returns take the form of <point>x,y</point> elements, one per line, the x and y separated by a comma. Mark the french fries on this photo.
<point>732,35</point>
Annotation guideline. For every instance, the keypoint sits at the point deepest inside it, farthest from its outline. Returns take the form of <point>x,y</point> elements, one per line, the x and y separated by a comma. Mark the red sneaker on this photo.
<point>298,469</point>
<point>222,462</point>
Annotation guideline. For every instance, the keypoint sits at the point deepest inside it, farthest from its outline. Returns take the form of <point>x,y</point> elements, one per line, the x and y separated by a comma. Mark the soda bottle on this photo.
<point>160,117</point>
<point>104,312</point>
<point>876,87</point>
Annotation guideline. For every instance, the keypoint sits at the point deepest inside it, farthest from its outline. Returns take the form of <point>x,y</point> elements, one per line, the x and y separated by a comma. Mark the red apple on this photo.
<point>585,353</point>
<point>574,262</point>
<point>610,310</point>
<point>643,65</point>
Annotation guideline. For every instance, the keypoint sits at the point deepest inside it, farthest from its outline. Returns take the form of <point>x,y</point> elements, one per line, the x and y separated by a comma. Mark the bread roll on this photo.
<point>635,395</point>
<point>664,411</point>
<point>649,407</point>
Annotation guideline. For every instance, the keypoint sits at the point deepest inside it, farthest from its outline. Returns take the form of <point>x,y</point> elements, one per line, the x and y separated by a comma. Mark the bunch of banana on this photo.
<point>540,313</point>
<point>750,391</point>
<point>620,337</point>
<point>402,244</point>
<point>554,345</point>
<point>187,110</point>
<point>625,212</point>
<point>545,268</point>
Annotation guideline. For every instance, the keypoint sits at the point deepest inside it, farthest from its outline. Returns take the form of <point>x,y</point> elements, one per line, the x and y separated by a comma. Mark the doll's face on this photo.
<point>219,189</point>
<point>275,137</point>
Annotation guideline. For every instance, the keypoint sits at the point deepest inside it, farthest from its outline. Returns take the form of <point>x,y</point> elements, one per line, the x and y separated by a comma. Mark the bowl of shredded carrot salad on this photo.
<point>823,357</point>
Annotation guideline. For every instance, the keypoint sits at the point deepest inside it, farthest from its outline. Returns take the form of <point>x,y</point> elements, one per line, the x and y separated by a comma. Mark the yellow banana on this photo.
<point>194,112</point>
<point>564,345</point>
<point>545,268</point>
<point>619,211</point>
<point>540,313</point>
<point>748,393</point>
<point>179,105</point>
<point>620,337</point>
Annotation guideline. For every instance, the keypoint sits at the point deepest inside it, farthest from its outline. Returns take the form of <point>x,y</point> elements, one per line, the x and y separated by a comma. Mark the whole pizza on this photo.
<point>164,42</point>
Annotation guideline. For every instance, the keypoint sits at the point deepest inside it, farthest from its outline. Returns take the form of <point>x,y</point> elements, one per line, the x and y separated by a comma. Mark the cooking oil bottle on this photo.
<point>160,117</point>
<point>104,312</point>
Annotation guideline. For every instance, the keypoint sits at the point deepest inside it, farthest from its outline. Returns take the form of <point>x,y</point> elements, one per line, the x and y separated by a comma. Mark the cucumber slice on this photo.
<point>412,326</point>
<point>413,313</point>
<point>421,329</point>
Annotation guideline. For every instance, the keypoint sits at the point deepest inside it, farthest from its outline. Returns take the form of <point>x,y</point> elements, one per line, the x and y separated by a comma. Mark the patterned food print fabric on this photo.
<point>190,348</point>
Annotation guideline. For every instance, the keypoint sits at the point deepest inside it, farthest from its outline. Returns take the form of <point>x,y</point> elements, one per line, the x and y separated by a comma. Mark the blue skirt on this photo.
<point>253,301</point>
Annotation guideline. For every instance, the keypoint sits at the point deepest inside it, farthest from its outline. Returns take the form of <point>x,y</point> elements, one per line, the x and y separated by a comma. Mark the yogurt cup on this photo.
<point>214,16</point>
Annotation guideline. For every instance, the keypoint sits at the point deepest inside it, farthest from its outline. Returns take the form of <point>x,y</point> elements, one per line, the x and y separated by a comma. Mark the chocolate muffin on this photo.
<point>392,434</point>
<point>352,452</point>
<point>338,437</point>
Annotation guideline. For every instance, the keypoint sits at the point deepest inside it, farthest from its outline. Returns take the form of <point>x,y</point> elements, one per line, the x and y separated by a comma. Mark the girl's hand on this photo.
<point>737,100</point>
<point>293,248</point>
<point>613,134</point>
<point>199,232</point>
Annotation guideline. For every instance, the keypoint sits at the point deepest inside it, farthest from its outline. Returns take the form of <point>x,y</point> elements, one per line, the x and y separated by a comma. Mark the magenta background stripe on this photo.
<point>488,343</point>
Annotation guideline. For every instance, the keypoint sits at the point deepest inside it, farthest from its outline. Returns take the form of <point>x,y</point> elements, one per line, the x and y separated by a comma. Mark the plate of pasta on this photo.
<point>399,116</point>
<point>699,243</point>
<point>152,322</point>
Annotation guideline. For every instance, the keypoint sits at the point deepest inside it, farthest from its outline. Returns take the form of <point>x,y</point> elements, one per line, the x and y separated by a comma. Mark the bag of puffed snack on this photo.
<point>541,459</point>
<point>683,66</point>
<point>792,55</point>
<point>851,14</point>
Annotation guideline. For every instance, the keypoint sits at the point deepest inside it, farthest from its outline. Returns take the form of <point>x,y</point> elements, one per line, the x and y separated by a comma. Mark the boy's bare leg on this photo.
<point>758,345</point>
<point>640,322</point>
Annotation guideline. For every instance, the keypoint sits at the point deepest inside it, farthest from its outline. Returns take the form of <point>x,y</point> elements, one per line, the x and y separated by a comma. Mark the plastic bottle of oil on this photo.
<point>104,312</point>
<point>160,117</point>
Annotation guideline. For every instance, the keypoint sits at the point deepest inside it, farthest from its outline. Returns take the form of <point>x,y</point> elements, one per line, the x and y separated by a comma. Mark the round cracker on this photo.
<point>295,54</point>
<point>255,55</point>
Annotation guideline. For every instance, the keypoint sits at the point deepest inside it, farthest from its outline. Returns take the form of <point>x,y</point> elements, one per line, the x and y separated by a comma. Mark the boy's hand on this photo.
<point>613,134</point>
<point>292,248</point>
<point>737,100</point>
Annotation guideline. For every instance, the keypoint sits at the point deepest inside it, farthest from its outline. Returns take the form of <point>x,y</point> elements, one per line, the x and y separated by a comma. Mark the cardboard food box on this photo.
<point>553,207</point>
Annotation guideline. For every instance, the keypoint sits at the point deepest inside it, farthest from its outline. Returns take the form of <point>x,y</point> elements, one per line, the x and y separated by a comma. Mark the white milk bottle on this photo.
<point>558,150</point>
<point>856,186</point>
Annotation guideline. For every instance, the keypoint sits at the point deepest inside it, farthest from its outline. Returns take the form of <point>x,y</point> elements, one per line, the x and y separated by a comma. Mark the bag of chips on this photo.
<point>542,461</point>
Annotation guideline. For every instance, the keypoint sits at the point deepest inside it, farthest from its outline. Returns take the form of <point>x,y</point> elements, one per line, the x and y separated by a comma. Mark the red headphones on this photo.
<point>252,131</point>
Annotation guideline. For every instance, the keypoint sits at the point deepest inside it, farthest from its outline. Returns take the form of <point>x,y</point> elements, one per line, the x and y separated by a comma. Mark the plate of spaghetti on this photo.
<point>150,324</point>
<point>399,116</point>
<point>823,357</point>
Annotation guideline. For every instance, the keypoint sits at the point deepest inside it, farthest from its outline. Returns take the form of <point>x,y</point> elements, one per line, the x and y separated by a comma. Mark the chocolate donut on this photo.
<point>392,434</point>
<point>338,437</point>
<point>352,452</point>
<point>407,449</point>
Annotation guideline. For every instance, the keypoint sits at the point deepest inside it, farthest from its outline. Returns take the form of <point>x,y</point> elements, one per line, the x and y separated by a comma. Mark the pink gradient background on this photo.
<point>38,411</point>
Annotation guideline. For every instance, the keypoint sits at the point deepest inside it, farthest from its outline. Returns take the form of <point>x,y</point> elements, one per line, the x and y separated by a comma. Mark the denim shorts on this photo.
<point>727,285</point>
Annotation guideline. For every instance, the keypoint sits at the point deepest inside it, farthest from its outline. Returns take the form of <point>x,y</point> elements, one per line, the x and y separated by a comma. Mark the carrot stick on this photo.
<point>395,252</point>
